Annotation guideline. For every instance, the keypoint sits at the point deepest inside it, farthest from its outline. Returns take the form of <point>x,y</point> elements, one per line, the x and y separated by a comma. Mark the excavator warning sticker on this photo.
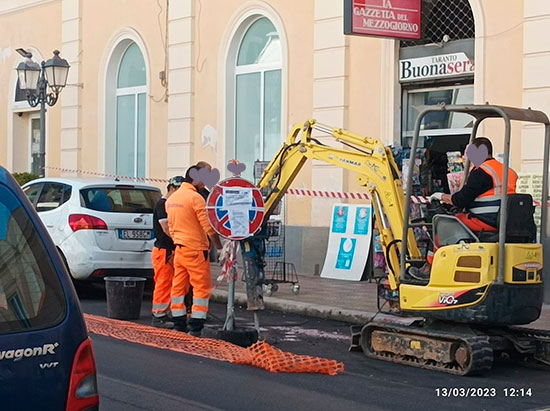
<point>235,208</point>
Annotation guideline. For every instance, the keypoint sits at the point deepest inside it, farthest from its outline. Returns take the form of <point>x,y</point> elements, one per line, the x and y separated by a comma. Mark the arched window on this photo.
<point>131,92</point>
<point>258,70</point>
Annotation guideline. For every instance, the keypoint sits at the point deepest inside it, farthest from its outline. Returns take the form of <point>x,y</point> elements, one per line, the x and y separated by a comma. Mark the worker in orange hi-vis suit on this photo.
<point>163,258</point>
<point>190,230</point>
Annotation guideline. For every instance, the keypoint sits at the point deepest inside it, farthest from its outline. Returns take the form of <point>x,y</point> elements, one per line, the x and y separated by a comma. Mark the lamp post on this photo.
<point>42,83</point>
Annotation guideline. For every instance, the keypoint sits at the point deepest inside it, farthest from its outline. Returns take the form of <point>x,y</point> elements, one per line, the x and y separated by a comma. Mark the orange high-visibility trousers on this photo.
<point>191,268</point>
<point>163,267</point>
<point>475,224</point>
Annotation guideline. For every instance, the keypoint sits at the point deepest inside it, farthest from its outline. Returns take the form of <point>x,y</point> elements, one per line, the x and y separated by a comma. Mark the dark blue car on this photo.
<point>46,356</point>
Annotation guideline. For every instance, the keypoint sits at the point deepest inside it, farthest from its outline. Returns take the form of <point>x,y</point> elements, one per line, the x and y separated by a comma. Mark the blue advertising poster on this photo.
<point>345,253</point>
<point>362,221</point>
<point>340,219</point>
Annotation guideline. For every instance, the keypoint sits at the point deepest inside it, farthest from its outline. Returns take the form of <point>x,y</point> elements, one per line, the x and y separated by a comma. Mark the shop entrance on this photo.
<point>443,136</point>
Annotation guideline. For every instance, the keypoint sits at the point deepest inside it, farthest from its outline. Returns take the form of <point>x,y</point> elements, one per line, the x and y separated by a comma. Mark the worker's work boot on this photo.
<point>420,273</point>
<point>180,323</point>
<point>195,326</point>
<point>162,322</point>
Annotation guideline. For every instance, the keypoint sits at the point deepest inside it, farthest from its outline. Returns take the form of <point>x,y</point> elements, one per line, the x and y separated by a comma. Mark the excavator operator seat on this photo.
<point>520,224</point>
<point>448,229</point>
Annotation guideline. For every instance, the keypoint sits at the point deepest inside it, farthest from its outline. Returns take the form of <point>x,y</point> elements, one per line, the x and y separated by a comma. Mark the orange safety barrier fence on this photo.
<point>260,354</point>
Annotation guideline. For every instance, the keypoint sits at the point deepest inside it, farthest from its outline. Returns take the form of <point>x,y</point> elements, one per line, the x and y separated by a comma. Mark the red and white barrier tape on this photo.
<point>329,194</point>
<point>420,200</point>
<point>228,258</point>
<point>97,174</point>
<point>347,196</point>
<point>292,191</point>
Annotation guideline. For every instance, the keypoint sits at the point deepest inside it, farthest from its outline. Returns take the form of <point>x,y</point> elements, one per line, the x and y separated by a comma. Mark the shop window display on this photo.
<point>421,186</point>
<point>455,176</point>
<point>379,258</point>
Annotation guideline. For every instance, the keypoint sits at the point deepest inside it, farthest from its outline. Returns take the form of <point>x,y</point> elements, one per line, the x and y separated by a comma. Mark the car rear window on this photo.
<point>120,199</point>
<point>31,296</point>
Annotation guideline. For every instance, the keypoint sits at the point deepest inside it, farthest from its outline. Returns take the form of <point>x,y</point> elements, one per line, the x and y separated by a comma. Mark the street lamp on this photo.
<point>35,79</point>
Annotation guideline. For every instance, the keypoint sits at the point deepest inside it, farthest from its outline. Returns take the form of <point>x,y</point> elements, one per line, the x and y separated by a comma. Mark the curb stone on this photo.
<point>310,310</point>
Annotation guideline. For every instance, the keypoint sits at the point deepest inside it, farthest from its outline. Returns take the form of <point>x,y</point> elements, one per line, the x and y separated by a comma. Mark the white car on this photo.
<point>100,226</point>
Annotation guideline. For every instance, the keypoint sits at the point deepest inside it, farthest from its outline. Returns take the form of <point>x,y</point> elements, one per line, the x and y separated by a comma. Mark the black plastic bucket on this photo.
<point>124,295</point>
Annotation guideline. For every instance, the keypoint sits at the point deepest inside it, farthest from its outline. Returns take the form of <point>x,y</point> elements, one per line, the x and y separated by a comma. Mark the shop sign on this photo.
<point>383,18</point>
<point>445,65</point>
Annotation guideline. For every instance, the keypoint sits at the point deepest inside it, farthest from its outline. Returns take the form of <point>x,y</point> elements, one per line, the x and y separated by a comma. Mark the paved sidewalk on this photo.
<point>350,301</point>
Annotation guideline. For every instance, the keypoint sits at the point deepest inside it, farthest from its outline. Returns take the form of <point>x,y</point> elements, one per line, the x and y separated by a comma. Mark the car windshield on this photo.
<point>31,296</point>
<point>119,199</point>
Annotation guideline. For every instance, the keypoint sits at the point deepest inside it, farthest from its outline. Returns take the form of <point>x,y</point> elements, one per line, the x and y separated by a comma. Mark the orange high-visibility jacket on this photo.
<point>486,206</point>
<point>187,218</point>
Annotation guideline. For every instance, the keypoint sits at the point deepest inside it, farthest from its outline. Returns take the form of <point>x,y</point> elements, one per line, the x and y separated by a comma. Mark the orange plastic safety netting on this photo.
<point>260,354</point>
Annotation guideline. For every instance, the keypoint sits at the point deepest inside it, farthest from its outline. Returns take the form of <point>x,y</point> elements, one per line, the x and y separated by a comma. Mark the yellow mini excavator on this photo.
<point>481,285</point>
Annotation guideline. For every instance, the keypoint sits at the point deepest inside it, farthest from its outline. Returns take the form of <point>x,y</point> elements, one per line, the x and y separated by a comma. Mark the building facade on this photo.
<point>156,86</point>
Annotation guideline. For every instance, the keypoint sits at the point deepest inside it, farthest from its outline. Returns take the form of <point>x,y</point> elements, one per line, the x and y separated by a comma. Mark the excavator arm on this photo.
<point>367,157</point>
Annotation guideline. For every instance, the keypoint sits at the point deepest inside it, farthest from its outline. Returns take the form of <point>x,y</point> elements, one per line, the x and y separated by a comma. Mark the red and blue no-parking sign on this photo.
<point>218,211</point>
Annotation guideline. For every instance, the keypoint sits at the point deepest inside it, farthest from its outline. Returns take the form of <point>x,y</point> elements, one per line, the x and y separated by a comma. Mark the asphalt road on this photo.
<point>137,377</point>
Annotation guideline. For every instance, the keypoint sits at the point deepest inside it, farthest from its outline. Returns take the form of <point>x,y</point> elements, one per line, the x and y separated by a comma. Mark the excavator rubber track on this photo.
<point>453,353</point>
<point>533,346</point>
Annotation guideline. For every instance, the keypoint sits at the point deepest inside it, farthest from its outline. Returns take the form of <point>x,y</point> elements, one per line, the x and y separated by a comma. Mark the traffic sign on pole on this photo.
<point>235,208</point>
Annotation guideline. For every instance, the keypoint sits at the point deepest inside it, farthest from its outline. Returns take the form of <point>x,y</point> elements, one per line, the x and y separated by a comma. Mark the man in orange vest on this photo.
<point>480,196</point>
<point>163,258</point>
<point>190,231</point>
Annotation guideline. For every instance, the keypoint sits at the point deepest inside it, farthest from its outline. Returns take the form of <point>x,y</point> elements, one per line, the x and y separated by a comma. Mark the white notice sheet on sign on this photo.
<point>238,219</point>
<point>237,197</point>
<point>237,202</point>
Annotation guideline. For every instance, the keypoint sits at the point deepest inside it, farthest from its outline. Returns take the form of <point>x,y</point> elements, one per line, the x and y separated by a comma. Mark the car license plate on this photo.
<point>135,234</point>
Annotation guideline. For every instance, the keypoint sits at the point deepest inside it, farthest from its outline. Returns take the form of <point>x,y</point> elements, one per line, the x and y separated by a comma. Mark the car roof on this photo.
<point>80,182</point>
